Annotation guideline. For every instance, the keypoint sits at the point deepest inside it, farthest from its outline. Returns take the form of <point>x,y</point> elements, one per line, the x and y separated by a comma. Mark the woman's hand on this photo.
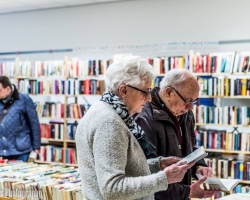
<point>167,161</point>
<point>176,172</point>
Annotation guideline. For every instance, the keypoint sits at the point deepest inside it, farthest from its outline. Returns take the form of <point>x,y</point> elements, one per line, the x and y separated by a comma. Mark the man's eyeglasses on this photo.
<point>146,93</point>
<point>186,102</point>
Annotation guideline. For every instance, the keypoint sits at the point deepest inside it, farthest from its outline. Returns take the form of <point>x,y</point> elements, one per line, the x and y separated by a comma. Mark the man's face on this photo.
<point>182,97</point>
<point>4,92</point>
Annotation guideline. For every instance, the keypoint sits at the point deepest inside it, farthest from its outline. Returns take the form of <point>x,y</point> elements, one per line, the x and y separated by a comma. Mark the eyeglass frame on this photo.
<point>144,92</point>
<point>186,103</point>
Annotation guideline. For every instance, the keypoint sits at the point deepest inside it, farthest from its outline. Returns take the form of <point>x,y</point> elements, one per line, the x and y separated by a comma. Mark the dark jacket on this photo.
<point>19,130</point>
<point>163,134</point>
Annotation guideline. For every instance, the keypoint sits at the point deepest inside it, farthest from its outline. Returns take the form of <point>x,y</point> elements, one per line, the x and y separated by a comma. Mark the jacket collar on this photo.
<point>158,107</point>
<point>14,96</point>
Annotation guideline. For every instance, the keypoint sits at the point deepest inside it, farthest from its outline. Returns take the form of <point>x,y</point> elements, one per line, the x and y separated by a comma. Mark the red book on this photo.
<point>86,86</point>
<point>213,140</point>
<point>62,110</point>
<point>47,131</point>
<point>209,63</point>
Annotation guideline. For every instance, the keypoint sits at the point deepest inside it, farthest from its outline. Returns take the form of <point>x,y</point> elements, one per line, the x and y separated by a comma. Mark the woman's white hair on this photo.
<point>175,78</point>
<point>132,70</point>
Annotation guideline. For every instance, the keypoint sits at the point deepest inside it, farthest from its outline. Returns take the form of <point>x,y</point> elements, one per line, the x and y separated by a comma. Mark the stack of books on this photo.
<point>19,180</point>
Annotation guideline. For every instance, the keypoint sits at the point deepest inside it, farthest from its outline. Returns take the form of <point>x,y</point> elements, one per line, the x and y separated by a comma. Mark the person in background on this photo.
<point>168,122</point>
<point>19,125</point>
<point>112,148</point>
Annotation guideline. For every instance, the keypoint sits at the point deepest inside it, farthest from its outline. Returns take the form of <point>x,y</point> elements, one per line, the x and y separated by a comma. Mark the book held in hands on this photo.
<point>213,183</point>
<point>196,155</point>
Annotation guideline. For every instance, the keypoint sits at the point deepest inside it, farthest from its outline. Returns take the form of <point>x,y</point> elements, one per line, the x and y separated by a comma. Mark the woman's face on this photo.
<point>135,98</point>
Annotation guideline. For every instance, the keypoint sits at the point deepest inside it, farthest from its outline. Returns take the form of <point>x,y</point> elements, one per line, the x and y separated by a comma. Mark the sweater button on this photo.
<point>179,146</point>
<point>4,150</point>
<point>3,137</point>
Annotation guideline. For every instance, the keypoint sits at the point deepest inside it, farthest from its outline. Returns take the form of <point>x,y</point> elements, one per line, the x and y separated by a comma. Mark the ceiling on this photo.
<point>9,6</point>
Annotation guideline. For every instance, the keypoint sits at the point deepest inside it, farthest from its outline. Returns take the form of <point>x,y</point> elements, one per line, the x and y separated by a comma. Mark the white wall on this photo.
<point>126,22</point>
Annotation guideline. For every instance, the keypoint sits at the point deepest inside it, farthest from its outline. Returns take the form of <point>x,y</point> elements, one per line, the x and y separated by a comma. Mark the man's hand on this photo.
<point>197,192</point>
<point>176,172</point>
<point>167,161</point>
<point>204,171</point>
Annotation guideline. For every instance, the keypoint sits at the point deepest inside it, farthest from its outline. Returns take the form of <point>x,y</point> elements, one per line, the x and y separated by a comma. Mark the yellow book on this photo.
<point>152,84</point>
<point>244,87</point>
<point>181,62</point>
<point>226,87</point>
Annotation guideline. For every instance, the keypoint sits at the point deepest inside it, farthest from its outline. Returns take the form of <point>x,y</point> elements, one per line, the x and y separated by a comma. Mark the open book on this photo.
<point>198,154</point>
<point>212,183</point>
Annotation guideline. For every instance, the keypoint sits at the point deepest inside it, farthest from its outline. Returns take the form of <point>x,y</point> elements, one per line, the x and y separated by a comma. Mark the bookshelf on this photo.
<point>58,86</point>
<point>223,67</point>
<point>227,151</point>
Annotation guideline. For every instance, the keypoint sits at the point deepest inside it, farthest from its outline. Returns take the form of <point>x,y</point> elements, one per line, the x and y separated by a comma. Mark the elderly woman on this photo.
<point>111,146</point>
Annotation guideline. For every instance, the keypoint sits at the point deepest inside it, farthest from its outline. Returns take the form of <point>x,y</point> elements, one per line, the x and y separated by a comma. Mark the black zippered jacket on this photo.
<point>162,133</point>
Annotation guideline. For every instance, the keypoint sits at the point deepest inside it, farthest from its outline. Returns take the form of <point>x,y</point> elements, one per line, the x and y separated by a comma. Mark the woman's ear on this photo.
<point>123,90</point>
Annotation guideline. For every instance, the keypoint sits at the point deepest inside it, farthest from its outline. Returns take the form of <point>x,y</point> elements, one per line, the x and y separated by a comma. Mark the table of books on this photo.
<point>20,180</point>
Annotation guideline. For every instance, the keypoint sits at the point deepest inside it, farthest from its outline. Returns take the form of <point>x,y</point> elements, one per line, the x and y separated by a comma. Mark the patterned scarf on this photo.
<point>136,130</point>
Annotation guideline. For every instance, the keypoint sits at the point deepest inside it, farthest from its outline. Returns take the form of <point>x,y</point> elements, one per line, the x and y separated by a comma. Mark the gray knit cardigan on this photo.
<point>111,162</point>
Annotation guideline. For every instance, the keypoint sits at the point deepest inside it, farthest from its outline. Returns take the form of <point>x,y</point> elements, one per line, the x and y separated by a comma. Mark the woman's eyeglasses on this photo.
<point>144,92</point>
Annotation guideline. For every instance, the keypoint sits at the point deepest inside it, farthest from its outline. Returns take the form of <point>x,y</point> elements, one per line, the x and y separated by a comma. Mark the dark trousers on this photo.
<point>23,157</point>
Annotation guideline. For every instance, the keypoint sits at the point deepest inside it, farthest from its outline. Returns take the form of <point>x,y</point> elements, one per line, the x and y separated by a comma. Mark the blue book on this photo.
<point>236,139</point>
<point>210,139</point>
<point>218,140</point>
<point>68,87</point>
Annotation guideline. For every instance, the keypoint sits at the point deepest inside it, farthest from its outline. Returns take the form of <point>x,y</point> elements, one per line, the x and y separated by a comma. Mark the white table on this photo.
<point>238,196</point>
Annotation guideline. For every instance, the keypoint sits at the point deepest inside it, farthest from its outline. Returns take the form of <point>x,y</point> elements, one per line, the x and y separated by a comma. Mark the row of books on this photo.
<point>76,110</point>
<point>33,69</point>
<point>75,86</point>
<point>64,68</point>
<point>229,169</point>
<point>52,153</point>
<point>55,130</point>
<point>222,62</point>
<point>70,87</point>
<point>224,86</point>
<point>234,115</point>
<point>156,82</point>
<point>32,181</point>
<point>50,109</point>
<point>214,139</point>
<point>241,189</point>
<point>71,131</point>
<point>78,67</point>
<point>211,63</point>
<point>56,110</point>
<point>41,87</point>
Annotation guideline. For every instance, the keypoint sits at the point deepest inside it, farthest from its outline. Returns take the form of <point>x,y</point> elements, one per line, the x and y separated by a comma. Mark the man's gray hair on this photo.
<point>132,70</point>
<point>175,78</point>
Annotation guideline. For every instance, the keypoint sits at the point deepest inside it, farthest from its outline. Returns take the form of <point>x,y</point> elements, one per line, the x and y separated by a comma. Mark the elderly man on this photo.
<point>169,123</point>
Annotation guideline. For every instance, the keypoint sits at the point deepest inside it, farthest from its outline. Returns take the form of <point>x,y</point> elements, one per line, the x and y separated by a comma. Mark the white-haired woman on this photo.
<point>112,148</point>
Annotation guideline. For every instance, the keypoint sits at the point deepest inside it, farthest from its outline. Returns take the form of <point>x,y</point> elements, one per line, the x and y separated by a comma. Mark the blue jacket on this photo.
<point>19,130</point>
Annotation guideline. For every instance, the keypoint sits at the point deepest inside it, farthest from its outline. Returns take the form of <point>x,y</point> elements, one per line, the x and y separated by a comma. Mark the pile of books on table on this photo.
<point>20,180</point>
